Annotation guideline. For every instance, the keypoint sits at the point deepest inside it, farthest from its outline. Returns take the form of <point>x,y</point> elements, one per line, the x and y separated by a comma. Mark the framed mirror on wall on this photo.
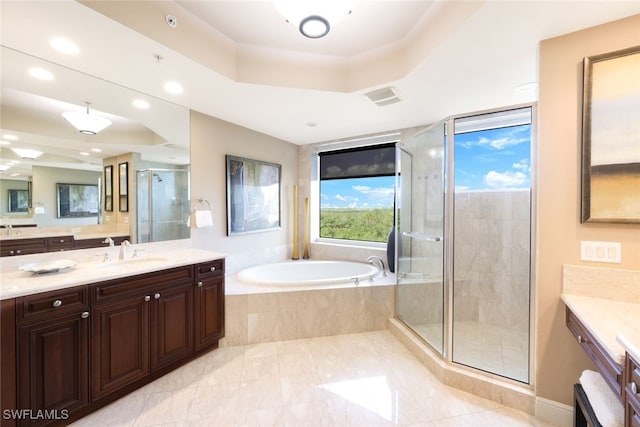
<point>108,188</point>
<point>611,137</point>
<point>123,187</point>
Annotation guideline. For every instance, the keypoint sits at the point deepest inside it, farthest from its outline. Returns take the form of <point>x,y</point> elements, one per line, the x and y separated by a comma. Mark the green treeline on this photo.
<point>356,224</point>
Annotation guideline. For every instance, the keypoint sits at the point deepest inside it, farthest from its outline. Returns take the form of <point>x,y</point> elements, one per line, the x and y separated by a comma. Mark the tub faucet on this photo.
<point>378,262</point>
<point>123,245</point>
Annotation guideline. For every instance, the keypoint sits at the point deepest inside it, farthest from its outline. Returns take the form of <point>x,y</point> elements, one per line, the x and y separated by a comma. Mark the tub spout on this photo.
<point>378,262</point>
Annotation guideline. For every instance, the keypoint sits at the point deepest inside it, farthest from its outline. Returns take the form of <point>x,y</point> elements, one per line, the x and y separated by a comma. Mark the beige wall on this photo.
<point>211,140</point>
<point>559,359</point>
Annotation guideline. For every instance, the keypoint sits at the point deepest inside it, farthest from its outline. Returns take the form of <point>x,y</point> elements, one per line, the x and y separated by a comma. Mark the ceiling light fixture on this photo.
<point>314,18</point>
<point>174,88</point>
<point>140,103</point>
<point>88,124</point>
<point>40,74</point>
<point>26,153</point>
<point>65,46</point>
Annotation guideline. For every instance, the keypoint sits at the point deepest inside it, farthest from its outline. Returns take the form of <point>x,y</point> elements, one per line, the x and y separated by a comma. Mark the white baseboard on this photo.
<point>555,413</point>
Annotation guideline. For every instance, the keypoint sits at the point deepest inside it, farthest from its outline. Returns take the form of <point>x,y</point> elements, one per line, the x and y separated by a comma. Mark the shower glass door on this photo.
<point>420,297</point>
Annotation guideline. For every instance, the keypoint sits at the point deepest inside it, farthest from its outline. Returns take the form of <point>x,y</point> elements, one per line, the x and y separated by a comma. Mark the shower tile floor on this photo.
<point>367,379</point>
<point>491,348</point>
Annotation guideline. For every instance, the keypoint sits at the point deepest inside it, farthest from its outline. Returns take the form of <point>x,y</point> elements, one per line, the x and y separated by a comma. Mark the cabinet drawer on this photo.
<point>48,303</point>
<point>210,268</point>
<point>113,289</point>
<point>610,370</point>
<point>632,410</point>
<point>23,246</point>
<point>60,243</point>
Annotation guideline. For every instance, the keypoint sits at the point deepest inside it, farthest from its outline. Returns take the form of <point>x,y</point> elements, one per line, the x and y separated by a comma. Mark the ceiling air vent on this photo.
<point>384,96</point>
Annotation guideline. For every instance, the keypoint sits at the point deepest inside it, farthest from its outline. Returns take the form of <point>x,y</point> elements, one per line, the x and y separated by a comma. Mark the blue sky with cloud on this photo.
<point>492,159</point>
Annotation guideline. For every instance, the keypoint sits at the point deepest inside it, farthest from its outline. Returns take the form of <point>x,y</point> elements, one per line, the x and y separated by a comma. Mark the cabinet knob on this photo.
<point>12,252</point>
<point>156,296</point>
<point>634,387</point>
<point>84,314</point>
<point>199,284</point>
<point>18,251</point>
<point>582,339</point>
<point>57,303</point>
<point>213,269</point>
<point>61,240</point>
<point>147,298</point>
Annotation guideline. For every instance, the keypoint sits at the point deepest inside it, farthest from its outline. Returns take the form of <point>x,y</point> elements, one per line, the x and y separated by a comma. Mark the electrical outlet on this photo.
<point>601,251</point>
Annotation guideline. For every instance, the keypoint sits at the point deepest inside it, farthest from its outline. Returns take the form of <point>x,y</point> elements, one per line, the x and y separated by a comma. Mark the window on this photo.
<point>357,188</point>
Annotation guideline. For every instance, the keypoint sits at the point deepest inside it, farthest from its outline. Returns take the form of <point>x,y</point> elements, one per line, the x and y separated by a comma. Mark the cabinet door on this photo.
<point>53,365</point>
<point>171,324</point>
<point>120,344</point>
<point>209,311</point>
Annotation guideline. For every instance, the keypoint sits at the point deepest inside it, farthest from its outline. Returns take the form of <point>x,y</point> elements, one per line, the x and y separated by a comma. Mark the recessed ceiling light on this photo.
<point>65,46</point>
<point>2,142</point>
<point>140,103</point>
<point>15,174</point>
<point>4,167</point>
<point>96,150</point>
<point>84,153</point>
<point>14,162</point>
<point>9,137</point>
<point>40,73</point>
<point>173,87</point>
<point>26,153</point>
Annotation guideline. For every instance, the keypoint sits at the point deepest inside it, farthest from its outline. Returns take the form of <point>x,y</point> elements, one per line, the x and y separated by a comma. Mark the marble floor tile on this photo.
<point>366,379</point>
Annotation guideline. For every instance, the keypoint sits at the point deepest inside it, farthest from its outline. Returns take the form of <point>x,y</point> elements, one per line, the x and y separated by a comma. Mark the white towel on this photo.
<point>605,404</point>
<point>203,218</point>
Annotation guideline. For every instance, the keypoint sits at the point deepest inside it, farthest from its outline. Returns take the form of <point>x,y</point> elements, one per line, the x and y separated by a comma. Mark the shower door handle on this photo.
<point>421,236</point>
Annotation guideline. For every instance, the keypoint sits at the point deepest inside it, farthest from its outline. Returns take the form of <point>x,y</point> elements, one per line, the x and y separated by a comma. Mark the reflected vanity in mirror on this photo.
<point>141,135</point>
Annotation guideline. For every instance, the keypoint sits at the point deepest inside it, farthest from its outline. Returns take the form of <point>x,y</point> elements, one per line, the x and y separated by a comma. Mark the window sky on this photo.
<point>491,159</point>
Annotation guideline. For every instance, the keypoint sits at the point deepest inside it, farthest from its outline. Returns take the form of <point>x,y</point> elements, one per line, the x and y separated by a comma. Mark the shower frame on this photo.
<point>449,250</point>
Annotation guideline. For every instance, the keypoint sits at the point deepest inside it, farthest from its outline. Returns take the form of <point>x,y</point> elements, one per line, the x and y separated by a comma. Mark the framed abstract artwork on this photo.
<point>611,137</point>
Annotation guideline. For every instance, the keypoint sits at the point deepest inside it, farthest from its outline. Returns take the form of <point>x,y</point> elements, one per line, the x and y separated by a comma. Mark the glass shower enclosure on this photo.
<point>162,205</point>
<point>463,239</point>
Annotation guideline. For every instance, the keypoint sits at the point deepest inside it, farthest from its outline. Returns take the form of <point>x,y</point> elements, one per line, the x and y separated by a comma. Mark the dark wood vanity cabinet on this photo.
<point>141,323</point>
<point>59,244</point>
<point>36,245</point>
<point>52,334</point>
<point>97,243</point>
<point>15,247</point>
<point>610,370</point>
<point>632,392</point>
<point>72,351</point>
<point>209,299</point>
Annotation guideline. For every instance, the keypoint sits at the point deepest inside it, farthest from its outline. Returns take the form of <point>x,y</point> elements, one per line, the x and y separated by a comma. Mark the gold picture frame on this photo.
<point>611,137</point>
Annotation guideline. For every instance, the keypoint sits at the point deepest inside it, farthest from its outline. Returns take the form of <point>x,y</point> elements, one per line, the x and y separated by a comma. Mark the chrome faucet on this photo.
<point>123,246</point>
<point>378,262</point>
<point>9,228</point>
<point>109,240</point>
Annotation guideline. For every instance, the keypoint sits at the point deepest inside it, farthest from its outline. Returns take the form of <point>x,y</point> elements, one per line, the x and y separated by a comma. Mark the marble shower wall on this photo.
<point>492,241</point>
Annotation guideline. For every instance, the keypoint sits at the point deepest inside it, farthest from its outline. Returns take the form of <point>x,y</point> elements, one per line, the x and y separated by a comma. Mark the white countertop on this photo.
<point>607,319</point>
<point>16,283</point>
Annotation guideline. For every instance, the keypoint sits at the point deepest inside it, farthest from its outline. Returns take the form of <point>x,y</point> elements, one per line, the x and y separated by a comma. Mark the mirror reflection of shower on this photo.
<point>163,204</point>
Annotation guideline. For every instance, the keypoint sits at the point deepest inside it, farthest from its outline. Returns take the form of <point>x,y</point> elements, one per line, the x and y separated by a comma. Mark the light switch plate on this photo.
<point>601,251</point>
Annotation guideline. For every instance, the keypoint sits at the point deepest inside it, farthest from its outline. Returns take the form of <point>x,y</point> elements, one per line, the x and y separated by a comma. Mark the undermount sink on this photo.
<point>141,262</point>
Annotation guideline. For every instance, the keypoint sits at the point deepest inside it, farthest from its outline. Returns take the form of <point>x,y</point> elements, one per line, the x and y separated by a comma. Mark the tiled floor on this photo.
<point>496,349</point>
<point>366,379</point>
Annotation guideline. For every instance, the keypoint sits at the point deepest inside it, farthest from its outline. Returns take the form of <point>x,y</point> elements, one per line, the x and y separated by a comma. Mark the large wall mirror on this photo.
<point>145,132</point>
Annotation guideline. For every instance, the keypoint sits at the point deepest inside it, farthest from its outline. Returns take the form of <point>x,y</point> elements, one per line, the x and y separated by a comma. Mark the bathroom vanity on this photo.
<point>26,245</point>
<point>603,314</point>
<point>98,332</point>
